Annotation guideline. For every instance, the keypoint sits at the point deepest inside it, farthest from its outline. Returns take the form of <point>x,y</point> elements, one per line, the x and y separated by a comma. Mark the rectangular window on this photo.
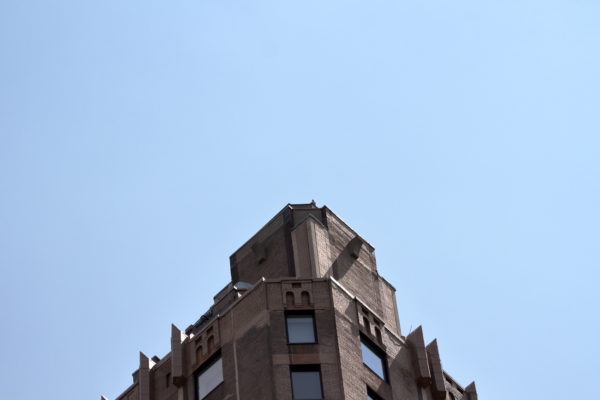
<point>374,357</point>
<point>210,376</point>
<point>301,327</point>
<point>306,382</point>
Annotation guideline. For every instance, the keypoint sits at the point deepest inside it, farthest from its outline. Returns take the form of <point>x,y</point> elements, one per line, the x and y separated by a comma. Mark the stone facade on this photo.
<point>306,261</point>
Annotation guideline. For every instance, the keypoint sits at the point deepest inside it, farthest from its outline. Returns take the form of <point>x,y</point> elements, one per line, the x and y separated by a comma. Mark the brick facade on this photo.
<point>305,261</point>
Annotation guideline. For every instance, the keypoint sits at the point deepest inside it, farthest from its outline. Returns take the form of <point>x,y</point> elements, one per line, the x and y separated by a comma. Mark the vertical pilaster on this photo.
<point>144,377</point>
<point>435,365</point>
<point>470,392</point>
<point>177,356</point>
<point>417,343</point>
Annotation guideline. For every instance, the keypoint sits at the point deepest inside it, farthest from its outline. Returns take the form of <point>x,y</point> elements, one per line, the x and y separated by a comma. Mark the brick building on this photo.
<point>306,316</point>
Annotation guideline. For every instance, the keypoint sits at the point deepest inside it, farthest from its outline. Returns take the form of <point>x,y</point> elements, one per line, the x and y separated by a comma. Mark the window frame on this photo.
<point>379,352</point>
<point>301,313</point>
<point>203,368</point>
<point>306,368</point>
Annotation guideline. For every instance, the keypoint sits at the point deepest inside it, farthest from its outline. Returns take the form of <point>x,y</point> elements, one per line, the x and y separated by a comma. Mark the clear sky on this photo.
<point>141,142</point>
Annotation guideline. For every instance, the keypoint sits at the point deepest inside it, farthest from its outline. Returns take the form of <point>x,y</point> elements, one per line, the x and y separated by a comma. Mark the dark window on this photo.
<point>301,327</point>
<point>209,376</point>
<point>374,357</point>
<point>168,379</point>
<point>306,382</point>
<point>371,395</point>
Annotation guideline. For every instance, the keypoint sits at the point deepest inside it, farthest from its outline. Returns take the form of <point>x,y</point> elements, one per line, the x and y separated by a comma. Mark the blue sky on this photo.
<point>142,142</point>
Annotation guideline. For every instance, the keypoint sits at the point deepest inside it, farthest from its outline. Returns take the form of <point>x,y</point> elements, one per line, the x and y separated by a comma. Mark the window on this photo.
<point>371,395</point>
<point>209,376</point>
<point>374,357</point>
<point>301,327</point>
<point>306,382</point>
